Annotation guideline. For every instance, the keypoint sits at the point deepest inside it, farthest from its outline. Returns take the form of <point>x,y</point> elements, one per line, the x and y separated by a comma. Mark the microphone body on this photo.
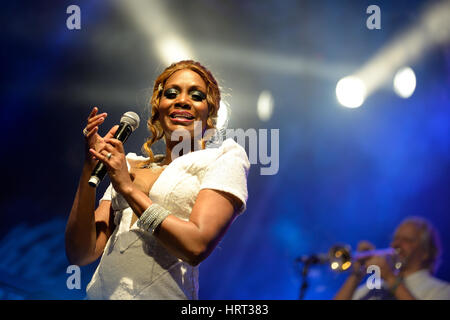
<point>128,123</point>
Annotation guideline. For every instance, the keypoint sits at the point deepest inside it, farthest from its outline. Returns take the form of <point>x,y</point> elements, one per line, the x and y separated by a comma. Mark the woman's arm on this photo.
<point>88,229</point>
<point>193,240</point>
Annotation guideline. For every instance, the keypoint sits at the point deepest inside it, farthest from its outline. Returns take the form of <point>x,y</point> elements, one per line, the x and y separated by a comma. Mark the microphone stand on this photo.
<point>307,262</point>
<point>304,285</point>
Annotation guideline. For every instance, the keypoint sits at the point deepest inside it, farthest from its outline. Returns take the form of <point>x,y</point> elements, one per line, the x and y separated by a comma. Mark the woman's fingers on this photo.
<point>93,112</point>
<point>108,148</point>
<point>91,132</point>
<point>95,121</point>
<point>94,126</point>
<point>97,117</point>
<point>111,132</point>
<point>115,143</point>
<point>99,155</point>
<point>113,146</point>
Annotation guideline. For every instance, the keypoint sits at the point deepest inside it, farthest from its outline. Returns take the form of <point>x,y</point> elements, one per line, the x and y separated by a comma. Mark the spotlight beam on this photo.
<point>432,30</point>
<point>152,19</point>
<point>271,62</point>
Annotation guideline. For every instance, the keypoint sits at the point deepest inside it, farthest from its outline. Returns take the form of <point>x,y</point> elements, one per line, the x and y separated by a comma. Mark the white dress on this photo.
<point>134,265</point>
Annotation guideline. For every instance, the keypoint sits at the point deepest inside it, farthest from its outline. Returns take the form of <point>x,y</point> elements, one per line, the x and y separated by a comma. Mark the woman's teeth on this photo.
<point>174,116</point>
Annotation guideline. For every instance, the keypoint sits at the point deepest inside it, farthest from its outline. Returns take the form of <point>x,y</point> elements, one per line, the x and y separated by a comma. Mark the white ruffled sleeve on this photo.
<point>228,172</point>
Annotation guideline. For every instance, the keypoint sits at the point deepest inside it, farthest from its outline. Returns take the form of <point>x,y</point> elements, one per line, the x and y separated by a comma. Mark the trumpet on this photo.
<point>341,258</point>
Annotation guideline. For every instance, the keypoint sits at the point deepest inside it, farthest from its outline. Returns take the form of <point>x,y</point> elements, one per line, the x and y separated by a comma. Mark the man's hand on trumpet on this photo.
<point>386,272</point>
<point>359,269</point>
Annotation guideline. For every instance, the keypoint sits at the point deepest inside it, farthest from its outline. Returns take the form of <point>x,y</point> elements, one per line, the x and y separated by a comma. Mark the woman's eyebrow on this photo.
<point>195,87</point>
<point>192,87</point>
<point>173,86</point>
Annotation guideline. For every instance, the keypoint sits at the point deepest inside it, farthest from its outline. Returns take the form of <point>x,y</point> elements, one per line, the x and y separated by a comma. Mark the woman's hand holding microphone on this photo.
<point>107,150</point>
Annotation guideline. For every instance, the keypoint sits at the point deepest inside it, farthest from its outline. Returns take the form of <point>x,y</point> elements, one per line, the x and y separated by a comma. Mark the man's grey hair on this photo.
<point>430,241</point>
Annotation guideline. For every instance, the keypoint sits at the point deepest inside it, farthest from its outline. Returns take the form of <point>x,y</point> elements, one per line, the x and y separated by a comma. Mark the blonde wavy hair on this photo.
<point>212,98</point>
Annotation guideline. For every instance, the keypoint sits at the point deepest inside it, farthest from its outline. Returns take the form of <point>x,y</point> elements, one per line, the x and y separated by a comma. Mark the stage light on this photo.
<point>432,29</point>
<point>405,82</point>
<point>346,265</point>
<point>265,105</point>
<point>172,49</point>
<point>350,92</point>
<point>154,21</point>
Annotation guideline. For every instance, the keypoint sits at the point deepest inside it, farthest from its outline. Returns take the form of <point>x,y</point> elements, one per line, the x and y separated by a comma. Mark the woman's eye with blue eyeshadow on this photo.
<point>197,95</point>
<point>171,93</point>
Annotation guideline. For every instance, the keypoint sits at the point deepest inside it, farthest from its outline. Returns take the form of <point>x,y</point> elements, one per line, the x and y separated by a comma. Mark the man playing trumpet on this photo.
<point>417,244</point>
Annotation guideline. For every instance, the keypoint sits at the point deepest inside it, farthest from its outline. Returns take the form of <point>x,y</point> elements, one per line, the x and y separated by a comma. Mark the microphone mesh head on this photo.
<point>131,118</point>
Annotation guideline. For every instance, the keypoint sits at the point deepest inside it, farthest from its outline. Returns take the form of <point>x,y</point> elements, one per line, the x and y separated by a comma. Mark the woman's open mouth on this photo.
<point>181,117</point>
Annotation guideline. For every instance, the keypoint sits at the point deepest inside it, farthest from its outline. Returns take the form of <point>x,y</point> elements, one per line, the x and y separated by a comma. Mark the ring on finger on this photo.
<point>109,155</point>
<point>85,132</point>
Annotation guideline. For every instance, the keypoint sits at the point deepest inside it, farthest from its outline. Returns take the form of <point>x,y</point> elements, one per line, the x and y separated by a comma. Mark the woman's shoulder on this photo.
<point>229,153</point>
<point>229,143</point>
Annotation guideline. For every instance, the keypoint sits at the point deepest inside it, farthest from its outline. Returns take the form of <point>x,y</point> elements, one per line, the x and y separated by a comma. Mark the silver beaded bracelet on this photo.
<point>152,217</point>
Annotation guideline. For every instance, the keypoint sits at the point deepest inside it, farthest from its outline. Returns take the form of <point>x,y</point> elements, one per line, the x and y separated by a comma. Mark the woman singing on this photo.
<point>162,215</point>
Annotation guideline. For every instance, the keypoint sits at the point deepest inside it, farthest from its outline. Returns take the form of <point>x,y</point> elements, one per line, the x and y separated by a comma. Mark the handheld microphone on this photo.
<point>128,123</point>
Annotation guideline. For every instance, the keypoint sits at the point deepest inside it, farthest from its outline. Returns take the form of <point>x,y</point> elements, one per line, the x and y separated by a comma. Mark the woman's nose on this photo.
<point>183,101</point>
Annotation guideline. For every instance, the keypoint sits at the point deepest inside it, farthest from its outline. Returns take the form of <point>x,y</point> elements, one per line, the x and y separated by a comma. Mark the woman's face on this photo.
<point>183,102</point>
